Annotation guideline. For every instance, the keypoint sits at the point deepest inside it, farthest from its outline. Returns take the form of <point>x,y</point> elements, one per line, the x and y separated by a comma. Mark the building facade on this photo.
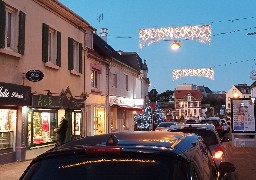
<point>44,62</point>
<point>237,91</point>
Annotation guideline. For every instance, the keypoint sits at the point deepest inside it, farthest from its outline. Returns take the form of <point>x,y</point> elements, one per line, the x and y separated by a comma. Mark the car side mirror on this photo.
<point>226,167</point>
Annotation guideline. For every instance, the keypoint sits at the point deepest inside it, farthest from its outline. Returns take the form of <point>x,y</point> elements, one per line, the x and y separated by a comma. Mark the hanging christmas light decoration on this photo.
<point>203,72</point>
<point>201,33</point>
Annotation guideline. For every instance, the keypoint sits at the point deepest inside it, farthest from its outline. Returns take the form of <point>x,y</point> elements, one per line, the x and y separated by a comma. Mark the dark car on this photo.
<point>136,155</point>
<point>210,136</point>
<point>164,126</point>
<point>216,122</point>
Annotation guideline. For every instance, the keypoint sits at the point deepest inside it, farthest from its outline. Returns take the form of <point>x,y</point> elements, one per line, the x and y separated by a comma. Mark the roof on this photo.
<point>181,94</point>
<point>130,59</point>
<point>243,88</point>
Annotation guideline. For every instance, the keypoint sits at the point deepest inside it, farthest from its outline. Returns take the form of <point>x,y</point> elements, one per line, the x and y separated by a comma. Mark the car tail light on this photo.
<point>218,152</point>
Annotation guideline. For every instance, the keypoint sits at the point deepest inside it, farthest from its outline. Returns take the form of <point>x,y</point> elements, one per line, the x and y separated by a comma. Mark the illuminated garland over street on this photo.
<point>200,33</point>
<point>204,72</point>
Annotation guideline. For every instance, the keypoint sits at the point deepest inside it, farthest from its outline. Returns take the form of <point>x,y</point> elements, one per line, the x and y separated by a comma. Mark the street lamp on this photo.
<point>175,45</point>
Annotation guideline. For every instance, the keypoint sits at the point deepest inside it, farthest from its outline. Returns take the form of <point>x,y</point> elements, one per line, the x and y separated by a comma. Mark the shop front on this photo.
<point>45,115</point>
<point>122,113</point>
<point>96,115</point>
<point>13,99</point>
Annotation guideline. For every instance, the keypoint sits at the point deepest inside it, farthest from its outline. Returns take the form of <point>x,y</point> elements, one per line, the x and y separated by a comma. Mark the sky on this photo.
<point>231,52</point>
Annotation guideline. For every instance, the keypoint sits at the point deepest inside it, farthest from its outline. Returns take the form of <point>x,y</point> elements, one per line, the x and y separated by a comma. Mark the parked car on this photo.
<point>210,136</point>
<point>225,125</point>
<point>133,155</point>
<point>216,122</point>
<point>164,126</point>
<point>191,121</point>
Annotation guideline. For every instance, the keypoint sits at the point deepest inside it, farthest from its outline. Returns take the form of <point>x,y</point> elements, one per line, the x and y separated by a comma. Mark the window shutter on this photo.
<point>21,44</point>
<point>58,48</point>
<point>45,42</point>
<point>80,58</point>
<point>70,54</point>
<point>2,24</point>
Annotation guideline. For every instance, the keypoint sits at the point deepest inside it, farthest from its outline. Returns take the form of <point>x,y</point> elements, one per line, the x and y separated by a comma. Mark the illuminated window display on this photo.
<point>99,120</point>
<point>41,127</point>
<point>8,119</point>
<point>76,123</point>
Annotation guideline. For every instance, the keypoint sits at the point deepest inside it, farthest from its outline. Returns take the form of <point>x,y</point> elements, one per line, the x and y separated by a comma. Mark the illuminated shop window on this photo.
<point>8,119</point>
<point>41,127</point>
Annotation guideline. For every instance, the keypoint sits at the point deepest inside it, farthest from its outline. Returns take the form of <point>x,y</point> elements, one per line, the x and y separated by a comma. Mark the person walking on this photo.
<point>61,131</point>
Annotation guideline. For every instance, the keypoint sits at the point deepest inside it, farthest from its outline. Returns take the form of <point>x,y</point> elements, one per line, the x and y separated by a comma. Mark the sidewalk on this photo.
<point>244,159</point>
<point>13,171</point>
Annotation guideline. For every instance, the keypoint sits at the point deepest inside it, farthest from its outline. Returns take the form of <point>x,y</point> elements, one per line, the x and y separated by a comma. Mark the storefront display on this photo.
<point>41,126</point>
<point>8,120</point>
<point>99,120</point>
<point>76,123</point>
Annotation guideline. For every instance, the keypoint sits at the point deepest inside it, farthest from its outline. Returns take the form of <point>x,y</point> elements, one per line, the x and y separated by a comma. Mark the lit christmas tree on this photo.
<point>143,121</point>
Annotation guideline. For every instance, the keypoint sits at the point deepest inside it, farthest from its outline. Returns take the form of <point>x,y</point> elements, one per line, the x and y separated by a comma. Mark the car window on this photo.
<point>208,136</point>
<point>214,122</point>
<point>125,167</point>
<point>165,124</point>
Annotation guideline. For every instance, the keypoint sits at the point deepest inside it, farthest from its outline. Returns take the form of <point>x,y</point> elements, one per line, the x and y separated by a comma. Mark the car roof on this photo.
<point>171,143</point>
<point>201,126</point>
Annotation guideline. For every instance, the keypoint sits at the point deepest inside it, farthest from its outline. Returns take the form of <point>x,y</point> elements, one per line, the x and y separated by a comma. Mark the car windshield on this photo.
<point>208,136</point>
<point>166,124</point>
<point>125,167</point>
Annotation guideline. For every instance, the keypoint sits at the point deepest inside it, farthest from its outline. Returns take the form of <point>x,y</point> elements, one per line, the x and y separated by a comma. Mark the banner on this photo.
<point>243,115</point>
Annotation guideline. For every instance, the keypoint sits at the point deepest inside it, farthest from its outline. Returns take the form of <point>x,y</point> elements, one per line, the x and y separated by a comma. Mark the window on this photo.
<point>10,21</point>
<point>94,78</point>
<point>51,45</point>
<point>74,55</point>
<point>126,83</point>
<point>229,105</point>
<point>194,111</point>
<point>189,97</point>
<point>115,80</point>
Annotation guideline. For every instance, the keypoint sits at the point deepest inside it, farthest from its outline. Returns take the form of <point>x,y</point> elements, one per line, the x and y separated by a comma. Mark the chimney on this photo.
<point>104,34</point>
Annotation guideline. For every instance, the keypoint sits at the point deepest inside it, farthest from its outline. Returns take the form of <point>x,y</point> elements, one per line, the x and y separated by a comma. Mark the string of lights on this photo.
<point>232,20</point>
<point>239,30</point>
<point>200,33</point>
<point>202,72</point>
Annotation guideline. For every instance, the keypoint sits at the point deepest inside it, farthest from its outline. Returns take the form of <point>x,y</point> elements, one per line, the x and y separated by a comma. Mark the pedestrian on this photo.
<point>61,131</point>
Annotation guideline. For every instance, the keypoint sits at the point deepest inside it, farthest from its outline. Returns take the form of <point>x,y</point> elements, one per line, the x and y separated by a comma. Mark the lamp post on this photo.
<point>153,98</point>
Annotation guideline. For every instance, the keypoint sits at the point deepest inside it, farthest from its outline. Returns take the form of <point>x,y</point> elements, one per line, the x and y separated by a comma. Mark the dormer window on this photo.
<point>189,97</point>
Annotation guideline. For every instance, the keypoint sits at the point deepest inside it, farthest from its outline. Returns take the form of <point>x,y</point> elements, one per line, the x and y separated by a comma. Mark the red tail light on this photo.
<point>218,153</point>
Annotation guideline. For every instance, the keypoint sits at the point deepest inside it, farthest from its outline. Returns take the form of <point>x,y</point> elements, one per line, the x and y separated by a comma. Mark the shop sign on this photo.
<point>121,101</point>
<point>34,75</point>
<point>45,101</point>
<point>13,94</point>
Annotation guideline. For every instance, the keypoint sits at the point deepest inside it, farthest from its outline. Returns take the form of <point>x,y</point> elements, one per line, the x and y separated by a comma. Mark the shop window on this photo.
<point>99,120</point>
<point>41,125</point>
<point>76,123</point>
<point>8,119</point>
